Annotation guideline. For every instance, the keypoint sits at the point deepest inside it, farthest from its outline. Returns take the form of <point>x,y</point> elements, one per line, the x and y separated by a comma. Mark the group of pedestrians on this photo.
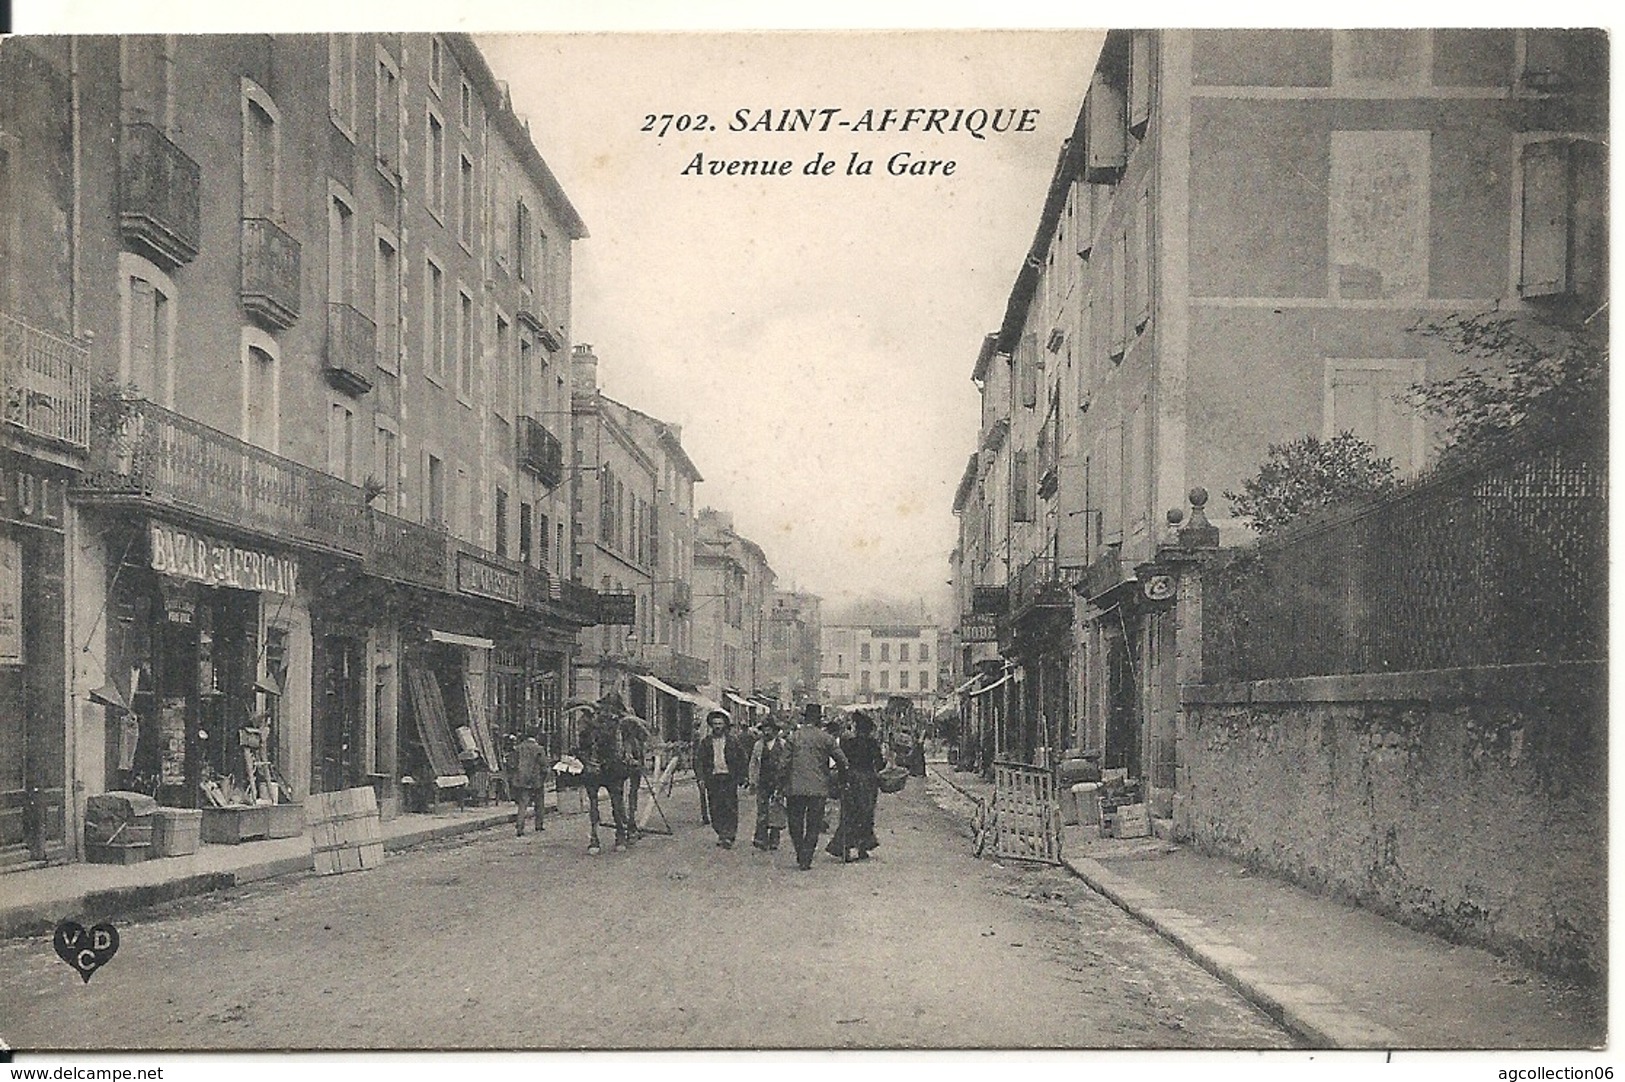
<point>794,777</point>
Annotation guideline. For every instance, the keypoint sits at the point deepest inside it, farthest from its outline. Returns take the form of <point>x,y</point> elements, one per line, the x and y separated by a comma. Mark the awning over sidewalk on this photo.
<point>962,688</point>
<point>454,639</point>
<point>683,696</point>
<point>737,699</point>
<point>990,687</point>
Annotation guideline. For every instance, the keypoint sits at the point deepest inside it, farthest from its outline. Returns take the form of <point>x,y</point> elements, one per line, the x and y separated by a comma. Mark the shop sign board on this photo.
<point>213,562</point>
<point>28,495</point>
<point>618,608</point>
<point>11,601</point>
<point>480,579</point>
<point>978,627</point>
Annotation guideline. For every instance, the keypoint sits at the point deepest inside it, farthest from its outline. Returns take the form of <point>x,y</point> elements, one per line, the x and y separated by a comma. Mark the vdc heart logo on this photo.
<point>86,951</point>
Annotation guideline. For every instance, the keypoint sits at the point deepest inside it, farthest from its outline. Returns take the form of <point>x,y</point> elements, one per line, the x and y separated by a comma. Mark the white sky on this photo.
<point>814,336</point>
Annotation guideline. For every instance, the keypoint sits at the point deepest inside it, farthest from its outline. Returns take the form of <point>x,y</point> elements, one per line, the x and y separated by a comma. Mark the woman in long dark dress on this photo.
<point>864,759</point>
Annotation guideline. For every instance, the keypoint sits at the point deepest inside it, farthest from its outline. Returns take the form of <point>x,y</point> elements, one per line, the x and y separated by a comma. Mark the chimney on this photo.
<point>583,370</point>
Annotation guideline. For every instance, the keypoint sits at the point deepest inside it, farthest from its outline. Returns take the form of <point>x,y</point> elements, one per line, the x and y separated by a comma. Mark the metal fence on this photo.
<point>1500,564</point>
<point>44,383</point>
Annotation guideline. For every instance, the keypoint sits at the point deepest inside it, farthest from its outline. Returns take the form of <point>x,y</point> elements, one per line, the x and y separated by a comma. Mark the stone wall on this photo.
<point>1470,803</point>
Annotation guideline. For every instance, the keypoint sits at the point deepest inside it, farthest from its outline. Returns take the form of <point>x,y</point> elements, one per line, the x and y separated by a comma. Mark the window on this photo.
<point>559,548</point>
<point>1021,487</point>
<point>340,248</point>
<point>502,391</point>
<point>465,346</point>
<point>521,241</point>
<point>925,680</point>
<point>341,82</point>
<point>434,496</point>
<point>902,680</point>
<point>925,652</point>
<point>1564,221</point>
<point>386,468</point>
<point>465,200</point>
<point>147,300</point>
<point>259,153</point>
<point>465,111</point>
<point>434,169</point>
<point>463,496</point>
<point>885,651</point>
<point>386,303</point>
<point>863,680</point>
<point>501,521</point>
<point>436,63</point>
<point>1379,214</point>
<point>387,115</point>
<point>526,542</point>
<point>885,679</point>
<point>341,440</point>
<point>902,651</point>
<point>863,651</point>
<point>1370,398</point>
<point>525,404</point>
<point>1139,82</point>
<point>434,321</point>
<point>260,416</point>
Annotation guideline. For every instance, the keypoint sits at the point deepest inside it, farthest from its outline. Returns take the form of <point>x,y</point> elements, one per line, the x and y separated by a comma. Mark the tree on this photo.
<point>1307,473</point>
<point>1549,382</point>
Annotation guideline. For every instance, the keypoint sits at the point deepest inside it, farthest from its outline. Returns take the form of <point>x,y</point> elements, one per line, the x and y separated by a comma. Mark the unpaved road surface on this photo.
<point>492,941</point>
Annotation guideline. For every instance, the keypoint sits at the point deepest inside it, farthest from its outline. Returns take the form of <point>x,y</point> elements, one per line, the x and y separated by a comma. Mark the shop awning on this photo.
<point>462,640</point>
<point>962,688</point>
<point>757,704</point>
<point>737,699</point>
<point>990,687</point>
<point>660,685</point>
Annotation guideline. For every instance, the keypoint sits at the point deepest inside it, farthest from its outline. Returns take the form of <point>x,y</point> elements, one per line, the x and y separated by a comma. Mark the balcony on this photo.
<point>45,380</point>
<point>351,348</point>
<point>407,552</point>
<point>540,452</point>
<point>1040,584</point>
<point>158,195</point>
<point>550,333</point>
<point>270,274</point>
<point>156,459</point>
<point>665,663</point>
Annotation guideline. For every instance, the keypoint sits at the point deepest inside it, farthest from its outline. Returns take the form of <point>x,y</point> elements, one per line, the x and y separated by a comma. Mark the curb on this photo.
<point>39,919</point>
<point>1312,1014</point>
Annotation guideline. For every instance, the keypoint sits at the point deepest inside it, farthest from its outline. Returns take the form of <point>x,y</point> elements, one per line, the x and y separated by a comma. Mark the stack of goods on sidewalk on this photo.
<point>1123,811</point>
<point>1077,780</point>
<point>118,827</point>
<point>235,813</point>
<point>345,834</point>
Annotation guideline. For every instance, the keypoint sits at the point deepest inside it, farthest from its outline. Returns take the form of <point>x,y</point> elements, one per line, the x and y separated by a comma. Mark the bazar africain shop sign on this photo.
<point>220,563</point>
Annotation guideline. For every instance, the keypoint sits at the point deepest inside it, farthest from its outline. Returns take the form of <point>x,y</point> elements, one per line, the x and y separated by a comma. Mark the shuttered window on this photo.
<point>1564,239</point>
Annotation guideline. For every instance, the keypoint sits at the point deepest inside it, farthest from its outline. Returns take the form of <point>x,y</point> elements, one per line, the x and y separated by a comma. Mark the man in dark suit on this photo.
<point>723,764</point>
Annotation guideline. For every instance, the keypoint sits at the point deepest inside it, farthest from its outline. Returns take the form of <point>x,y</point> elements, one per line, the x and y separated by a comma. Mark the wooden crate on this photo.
<point>235,824</point>
<point>117,854</point>
<point>345,835</point>
<point>1132,821</point>
<point>176,832</point>
<point>284,820</point>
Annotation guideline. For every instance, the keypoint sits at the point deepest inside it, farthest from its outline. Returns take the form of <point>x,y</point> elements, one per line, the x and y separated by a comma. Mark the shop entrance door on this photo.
<point>340,712</point>
<point>1123,703</point>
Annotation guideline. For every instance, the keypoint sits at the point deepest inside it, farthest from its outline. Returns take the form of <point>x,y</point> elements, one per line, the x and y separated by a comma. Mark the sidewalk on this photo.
<point>1334,975</point>
<point>34,900</point>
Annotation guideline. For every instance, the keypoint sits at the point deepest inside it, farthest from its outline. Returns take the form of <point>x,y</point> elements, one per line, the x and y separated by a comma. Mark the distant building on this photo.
<point>734,583</point>
<point>864,663</point>
<point>795,633</point>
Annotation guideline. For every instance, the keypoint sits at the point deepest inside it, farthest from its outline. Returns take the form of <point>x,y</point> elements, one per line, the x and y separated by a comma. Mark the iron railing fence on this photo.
<point>45,383</point>
<point>1498,564</point>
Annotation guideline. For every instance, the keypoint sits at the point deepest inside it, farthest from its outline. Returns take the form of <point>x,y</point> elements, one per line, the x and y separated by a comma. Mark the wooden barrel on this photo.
<point>345,835</point>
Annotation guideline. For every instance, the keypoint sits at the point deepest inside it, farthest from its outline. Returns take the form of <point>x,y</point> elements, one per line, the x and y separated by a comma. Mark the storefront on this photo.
<point>198,631</point>
<point>32,731</point>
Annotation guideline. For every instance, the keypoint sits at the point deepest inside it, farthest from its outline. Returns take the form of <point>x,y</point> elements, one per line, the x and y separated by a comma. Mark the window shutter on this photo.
<point>143,338</point>
<point>1029,379</point>
<point>1543,269</point>
<point>1142,260</point>
<point>1106,127</point>
<point>1139,83</point>
<point>1021,484</point>
<point>1072,521</point>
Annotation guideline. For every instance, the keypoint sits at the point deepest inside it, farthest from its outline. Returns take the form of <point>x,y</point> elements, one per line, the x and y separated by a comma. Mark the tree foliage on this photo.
<point>1549,381</point>
<point>1308,473</point>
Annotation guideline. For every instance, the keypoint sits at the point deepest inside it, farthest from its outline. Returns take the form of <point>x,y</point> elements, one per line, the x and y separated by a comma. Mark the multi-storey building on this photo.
<point>1238,240</point>
<point>733,587</point>
<point>874,663</point>
<point>321,285</point>
<point>794,638</point>
<point>634,488</point>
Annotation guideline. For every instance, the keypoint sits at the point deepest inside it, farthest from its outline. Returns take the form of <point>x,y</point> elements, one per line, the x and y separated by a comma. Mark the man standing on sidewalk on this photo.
<point>527,780</point>
<point>723,762</point>
<point>811,750</point>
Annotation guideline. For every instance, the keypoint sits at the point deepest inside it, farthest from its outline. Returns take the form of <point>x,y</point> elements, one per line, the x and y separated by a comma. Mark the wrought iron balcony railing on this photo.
<point>45,380</point>
<point>270,274</point>
<point>154,457</point>
<point>158,195</point>
<point>351,350</point>
<point>1039,582</point>
<point>540,452</point>
<point>407,552</point>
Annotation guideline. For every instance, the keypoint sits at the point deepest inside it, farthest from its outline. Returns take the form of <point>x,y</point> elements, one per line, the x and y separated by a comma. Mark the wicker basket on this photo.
<point>893,778</point>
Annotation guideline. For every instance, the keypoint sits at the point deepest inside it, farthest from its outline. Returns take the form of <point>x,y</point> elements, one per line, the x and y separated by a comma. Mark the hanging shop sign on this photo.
<point>978,627</point>
<point>480,579</point>
<point>213,562</point>
<point>616,608</point>
<point>29,496</point>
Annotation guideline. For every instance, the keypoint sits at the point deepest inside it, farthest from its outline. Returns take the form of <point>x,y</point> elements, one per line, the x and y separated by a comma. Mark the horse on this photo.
<point>604,765</point>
